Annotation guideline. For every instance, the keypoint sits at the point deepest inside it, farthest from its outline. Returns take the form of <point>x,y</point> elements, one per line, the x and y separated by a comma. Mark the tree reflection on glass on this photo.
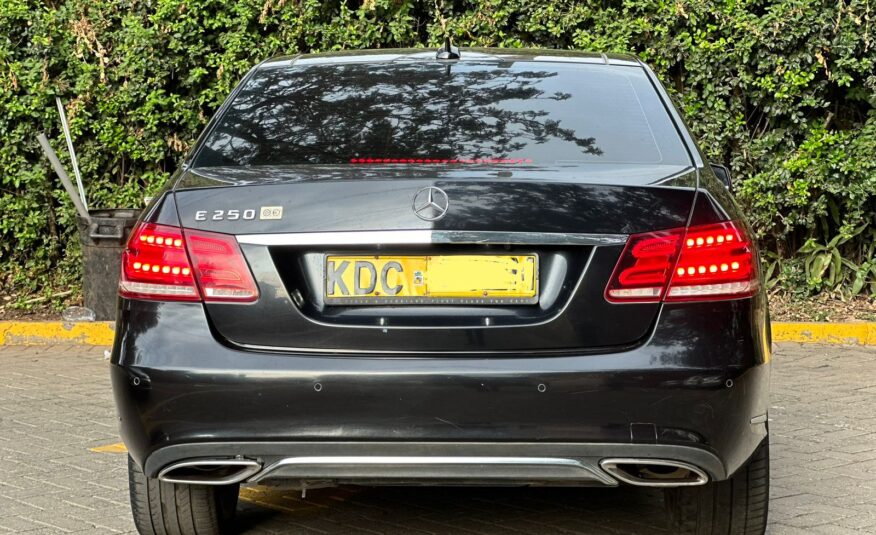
<point>327,114</point>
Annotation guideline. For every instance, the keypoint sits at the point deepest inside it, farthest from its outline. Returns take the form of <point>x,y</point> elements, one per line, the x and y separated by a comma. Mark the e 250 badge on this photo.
<point>265,212</point>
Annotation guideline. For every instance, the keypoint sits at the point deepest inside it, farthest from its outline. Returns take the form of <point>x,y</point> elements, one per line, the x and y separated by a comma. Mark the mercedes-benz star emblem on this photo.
<point>431,204</point>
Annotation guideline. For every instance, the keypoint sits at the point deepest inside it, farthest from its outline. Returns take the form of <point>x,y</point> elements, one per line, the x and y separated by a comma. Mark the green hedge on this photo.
<point>784,91</point>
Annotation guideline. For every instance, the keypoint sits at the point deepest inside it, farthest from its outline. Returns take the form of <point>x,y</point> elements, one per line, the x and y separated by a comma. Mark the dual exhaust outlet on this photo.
<point>210,471</point>
<point>641,472</point>
<point>654,472</point>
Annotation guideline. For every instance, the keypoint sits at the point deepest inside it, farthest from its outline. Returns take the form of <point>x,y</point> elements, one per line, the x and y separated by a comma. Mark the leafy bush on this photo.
<point>783,91</point>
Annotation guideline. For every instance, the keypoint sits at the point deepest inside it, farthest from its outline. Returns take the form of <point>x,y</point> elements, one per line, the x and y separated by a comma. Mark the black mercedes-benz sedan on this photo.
<point>476,267</point>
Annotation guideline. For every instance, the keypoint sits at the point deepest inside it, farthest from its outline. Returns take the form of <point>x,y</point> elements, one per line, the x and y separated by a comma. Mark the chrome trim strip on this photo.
<point>423,237</point>
<point>610,466</point>
<point>361,461</point>
<point>248,469</point>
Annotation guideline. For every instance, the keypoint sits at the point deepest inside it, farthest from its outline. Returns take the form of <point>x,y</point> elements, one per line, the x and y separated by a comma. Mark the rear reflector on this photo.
<point>697,263</point>
<point>156,265</point>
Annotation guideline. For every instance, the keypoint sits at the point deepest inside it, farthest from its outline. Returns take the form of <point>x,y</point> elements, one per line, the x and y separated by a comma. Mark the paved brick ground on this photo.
<point>55,404</point>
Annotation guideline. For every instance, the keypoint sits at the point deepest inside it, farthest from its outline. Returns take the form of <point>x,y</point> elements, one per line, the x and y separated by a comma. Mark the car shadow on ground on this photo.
<point>452,510</point>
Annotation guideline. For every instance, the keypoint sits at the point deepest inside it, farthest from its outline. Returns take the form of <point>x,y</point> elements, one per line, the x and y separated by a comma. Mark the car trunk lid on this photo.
<point>288,221</point>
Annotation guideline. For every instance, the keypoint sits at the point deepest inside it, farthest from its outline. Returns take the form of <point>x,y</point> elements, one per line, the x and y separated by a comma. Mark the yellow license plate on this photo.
<point>437,280</point>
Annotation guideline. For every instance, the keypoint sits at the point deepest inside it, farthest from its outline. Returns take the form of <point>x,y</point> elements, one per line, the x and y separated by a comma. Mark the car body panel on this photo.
<point>571,313</point>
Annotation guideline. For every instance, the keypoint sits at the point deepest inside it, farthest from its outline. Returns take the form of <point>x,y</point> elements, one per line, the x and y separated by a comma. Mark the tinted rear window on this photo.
<point>472,112</point>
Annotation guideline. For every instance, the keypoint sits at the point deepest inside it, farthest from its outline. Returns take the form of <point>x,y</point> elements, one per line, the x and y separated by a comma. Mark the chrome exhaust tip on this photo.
<point>209,471</point>
<point>655,472</point>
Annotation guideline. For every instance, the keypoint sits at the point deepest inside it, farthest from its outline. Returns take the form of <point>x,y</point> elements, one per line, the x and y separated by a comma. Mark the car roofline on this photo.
<point>407,55</point>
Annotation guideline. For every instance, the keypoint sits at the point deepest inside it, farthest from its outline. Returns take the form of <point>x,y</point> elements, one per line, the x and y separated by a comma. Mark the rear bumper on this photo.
<point>517,463</point>
<point>691,393</point>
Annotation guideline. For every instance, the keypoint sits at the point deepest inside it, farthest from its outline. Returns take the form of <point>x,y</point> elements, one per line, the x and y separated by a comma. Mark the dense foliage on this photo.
<point>782,90</point>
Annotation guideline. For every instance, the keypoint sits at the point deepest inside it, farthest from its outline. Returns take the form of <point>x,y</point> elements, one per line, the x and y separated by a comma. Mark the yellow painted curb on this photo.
<point>100,333</point>
<point>30,333</point>
<point>118,447</point>
<point>826,333</point>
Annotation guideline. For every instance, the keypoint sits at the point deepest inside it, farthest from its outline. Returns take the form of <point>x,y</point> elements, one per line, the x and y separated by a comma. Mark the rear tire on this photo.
<point>737,506</point>
<point>161,508</point>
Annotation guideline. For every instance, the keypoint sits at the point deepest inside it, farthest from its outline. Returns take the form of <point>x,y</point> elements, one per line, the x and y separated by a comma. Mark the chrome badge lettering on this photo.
<point>249,214</point>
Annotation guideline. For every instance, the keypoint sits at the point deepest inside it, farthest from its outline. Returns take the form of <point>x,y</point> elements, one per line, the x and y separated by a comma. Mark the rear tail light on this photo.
<point>155,265</point>
<point>644,267</point>
<point>167,263</point>
<point>698,263</point>
<point>716,261</point>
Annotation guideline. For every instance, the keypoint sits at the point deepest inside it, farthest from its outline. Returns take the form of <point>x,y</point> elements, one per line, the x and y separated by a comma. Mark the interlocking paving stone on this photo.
<point>56,404</point>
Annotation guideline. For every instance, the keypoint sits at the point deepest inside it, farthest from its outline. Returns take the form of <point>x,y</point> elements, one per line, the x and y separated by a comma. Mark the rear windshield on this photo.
<point>530,113</point>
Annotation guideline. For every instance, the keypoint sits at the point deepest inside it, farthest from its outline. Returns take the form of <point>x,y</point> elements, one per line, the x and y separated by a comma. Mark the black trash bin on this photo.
<point>103,239</point>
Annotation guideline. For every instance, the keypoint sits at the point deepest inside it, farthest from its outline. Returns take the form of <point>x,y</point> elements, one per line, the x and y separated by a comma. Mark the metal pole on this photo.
<point>73,160</point>
<point>65,179</point>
